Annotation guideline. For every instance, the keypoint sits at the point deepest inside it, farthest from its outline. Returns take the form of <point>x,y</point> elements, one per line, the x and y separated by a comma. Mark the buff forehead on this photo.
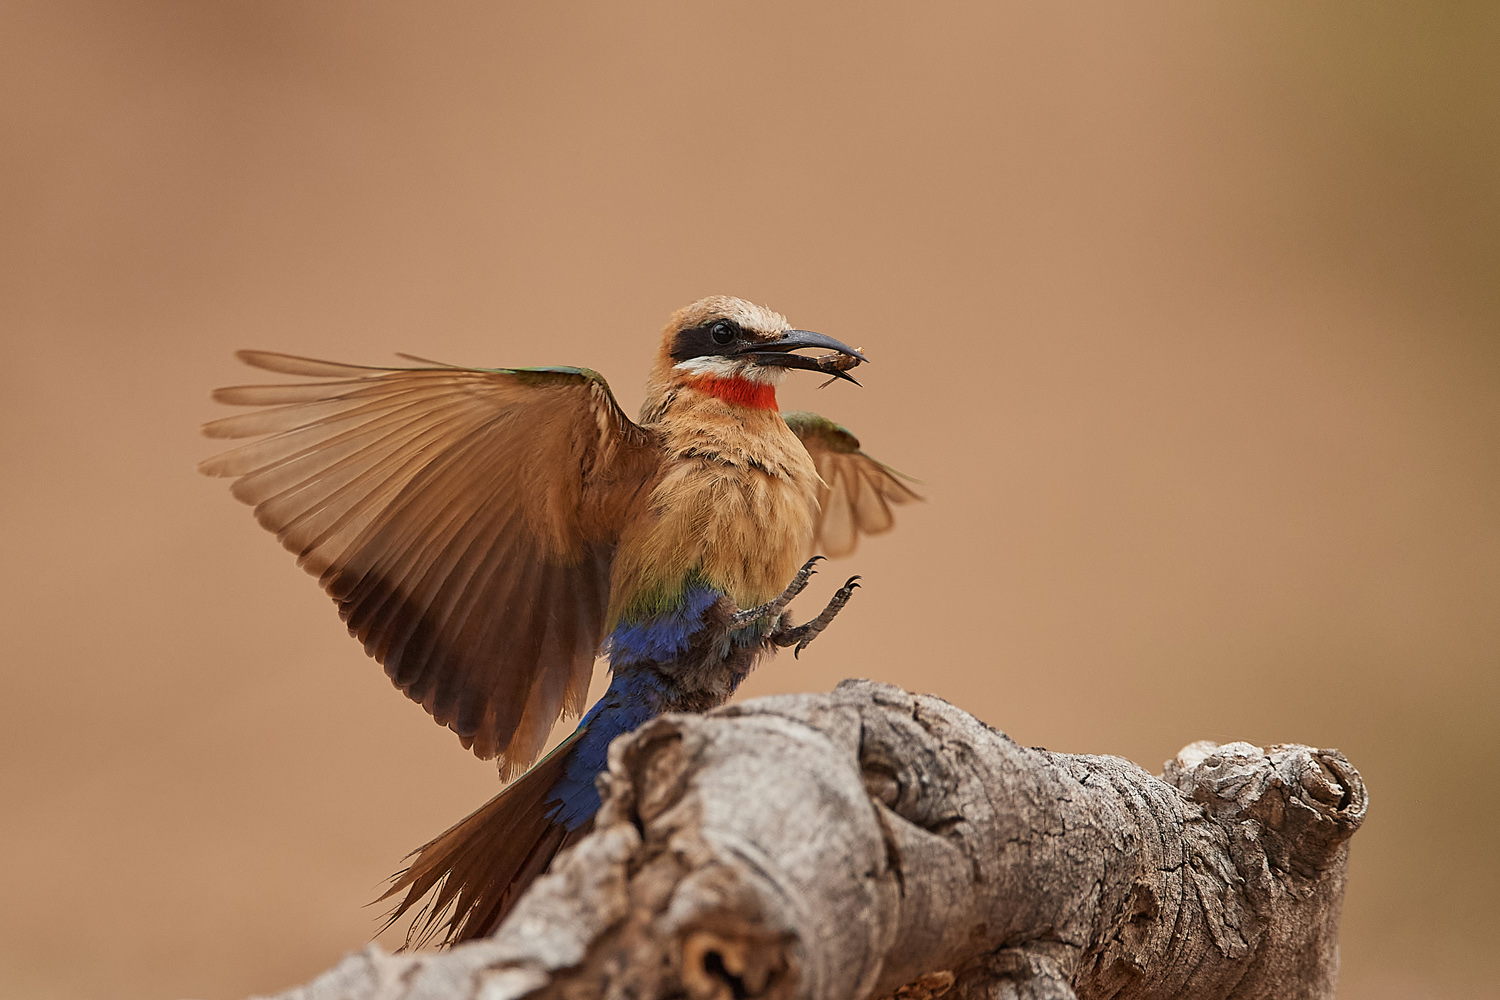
<point>748,315</point>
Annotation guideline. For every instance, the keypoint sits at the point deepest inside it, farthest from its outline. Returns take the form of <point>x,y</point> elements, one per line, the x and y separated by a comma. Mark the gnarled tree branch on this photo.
<point>871,842</point>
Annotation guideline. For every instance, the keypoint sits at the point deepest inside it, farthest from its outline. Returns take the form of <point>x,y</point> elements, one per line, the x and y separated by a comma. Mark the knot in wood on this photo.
<point>905,769</point>
<point>1303,803</point>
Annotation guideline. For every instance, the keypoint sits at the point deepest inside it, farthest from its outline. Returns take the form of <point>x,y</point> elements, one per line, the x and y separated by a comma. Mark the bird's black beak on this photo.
<point>778,353</point>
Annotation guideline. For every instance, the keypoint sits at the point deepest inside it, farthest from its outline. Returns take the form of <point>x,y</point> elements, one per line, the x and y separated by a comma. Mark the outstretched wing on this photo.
<point>463,519</point>
<point>857,491</point>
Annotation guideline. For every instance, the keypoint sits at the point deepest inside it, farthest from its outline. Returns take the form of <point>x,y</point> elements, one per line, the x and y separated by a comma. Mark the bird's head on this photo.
<point>740,351</point>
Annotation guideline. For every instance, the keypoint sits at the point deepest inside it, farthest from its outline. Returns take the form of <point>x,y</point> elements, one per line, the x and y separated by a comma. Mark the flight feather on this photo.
<point>857,491</point>
<point>464,520</point>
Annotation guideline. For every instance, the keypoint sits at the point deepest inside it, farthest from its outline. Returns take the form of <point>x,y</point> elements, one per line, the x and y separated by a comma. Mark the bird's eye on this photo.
<point>722,333</point>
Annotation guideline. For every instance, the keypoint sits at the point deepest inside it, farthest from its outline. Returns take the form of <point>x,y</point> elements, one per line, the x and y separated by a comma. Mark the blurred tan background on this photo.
<point>1186,315</point>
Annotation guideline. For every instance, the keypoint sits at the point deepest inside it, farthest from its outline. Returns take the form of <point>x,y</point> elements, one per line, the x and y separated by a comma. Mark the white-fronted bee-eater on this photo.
<point>488,533</point>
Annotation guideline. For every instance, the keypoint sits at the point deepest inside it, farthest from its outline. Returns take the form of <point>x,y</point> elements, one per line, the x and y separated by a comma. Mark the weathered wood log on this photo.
<point>871,842</point>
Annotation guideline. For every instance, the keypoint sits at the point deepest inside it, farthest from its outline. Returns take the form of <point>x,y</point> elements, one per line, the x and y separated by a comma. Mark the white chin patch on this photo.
<point>730,368</point>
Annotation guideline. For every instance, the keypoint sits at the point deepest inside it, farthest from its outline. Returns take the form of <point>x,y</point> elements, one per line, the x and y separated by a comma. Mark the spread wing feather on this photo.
<point>464,520</point>
<point>857,492</point>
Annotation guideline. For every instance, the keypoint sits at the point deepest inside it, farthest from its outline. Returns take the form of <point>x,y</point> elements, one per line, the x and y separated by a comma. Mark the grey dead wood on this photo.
<point>874,843</point>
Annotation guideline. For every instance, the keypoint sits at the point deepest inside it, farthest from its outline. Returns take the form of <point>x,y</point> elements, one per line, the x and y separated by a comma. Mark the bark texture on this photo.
<point>873,843</point>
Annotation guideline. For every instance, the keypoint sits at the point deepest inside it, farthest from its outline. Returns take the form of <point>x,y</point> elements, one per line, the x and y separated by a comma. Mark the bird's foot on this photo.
<point>774,607</point>
<point>800,635</point>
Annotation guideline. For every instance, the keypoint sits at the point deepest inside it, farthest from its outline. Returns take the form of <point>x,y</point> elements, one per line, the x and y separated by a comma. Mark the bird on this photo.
<point>488,533</point>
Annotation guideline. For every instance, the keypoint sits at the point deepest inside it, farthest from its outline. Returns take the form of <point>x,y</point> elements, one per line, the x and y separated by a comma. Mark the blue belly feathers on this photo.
<point>634,696</point>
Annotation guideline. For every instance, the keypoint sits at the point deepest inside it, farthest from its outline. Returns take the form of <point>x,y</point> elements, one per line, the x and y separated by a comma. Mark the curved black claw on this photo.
<point>774,607</point>
<point>800,635</point>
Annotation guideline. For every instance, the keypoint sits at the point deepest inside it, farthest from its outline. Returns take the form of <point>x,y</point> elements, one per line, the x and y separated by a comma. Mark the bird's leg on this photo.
<point>774,607</point>
<point>800,635</point>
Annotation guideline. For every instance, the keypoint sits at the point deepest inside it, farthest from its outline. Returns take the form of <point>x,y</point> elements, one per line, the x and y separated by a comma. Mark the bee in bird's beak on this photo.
<point>777,353</point>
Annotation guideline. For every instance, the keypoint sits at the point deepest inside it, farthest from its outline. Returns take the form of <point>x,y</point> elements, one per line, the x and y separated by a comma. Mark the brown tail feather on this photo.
<point>479,867</point>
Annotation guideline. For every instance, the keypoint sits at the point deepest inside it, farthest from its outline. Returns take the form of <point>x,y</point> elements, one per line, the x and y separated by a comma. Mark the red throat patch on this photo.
<point>738,391</point>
